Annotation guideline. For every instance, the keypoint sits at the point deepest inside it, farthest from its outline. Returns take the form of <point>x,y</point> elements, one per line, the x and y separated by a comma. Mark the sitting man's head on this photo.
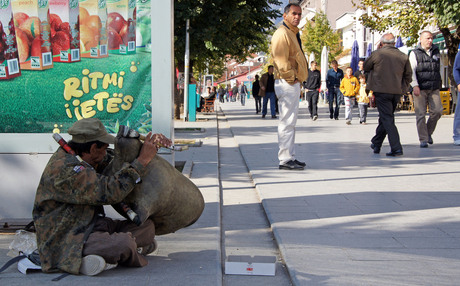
<point>90,140</point>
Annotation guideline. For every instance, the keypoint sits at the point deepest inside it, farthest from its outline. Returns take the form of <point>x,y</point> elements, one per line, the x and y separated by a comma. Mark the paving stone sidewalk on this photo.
<point>353,217</point>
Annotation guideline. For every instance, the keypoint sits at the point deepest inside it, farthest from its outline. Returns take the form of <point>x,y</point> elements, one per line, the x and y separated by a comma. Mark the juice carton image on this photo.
<point>65,30</point>
<point>121,26</point>
<point>143,22</point>
<point>9,54</point>
<point>31,21</point>
<point>93,29</point>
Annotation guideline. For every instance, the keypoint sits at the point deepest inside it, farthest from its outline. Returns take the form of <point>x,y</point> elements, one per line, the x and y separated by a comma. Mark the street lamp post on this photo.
<point>186,69</point>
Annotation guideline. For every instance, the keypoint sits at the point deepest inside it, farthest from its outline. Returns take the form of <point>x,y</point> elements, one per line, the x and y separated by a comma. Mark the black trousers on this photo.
<point>386,105</point>
<point>258,101</point>
<point>312,99</point>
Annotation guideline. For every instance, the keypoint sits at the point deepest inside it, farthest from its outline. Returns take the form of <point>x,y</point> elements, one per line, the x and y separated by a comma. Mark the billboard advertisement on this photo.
<point>52,95</point>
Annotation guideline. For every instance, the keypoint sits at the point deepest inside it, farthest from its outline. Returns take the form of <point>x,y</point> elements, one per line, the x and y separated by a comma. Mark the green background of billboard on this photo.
<point>34,102</point>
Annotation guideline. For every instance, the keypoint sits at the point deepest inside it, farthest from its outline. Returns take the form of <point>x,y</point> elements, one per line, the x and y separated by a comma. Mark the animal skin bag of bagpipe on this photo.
<point>165,195</point>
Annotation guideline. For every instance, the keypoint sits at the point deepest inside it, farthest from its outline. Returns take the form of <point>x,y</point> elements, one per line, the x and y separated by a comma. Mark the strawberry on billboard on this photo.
<point>71,65</point>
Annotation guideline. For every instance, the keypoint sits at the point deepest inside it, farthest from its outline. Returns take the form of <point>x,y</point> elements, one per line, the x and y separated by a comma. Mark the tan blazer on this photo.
<point>288,59</point>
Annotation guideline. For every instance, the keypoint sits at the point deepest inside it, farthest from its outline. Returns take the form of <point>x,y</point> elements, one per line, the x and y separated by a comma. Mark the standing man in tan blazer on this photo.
<point>291,69</point>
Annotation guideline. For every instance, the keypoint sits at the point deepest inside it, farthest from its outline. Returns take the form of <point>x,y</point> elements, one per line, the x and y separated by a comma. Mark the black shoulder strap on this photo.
<point>11,262</point>
<point>29,227</point>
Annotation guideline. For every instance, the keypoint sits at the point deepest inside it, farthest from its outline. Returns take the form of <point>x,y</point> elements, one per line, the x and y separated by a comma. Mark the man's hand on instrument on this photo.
<point>149,150</point>
<point>161,140</point>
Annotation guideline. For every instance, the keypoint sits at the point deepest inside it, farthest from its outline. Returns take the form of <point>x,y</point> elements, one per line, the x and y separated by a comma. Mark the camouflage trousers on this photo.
<point>117,241</point>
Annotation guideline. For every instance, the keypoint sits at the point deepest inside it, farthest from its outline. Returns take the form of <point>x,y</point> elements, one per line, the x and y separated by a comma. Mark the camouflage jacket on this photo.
<point>70,193</point>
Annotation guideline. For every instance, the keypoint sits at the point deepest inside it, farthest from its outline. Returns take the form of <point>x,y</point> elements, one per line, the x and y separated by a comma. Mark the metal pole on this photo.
<point>186,69</point>
<point>162,57</point>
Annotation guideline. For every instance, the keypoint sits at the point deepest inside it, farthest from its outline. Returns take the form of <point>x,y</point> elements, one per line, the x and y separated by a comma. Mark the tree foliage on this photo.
<point>408,16</point>
<point>412,16</point>
<point>221,28</point>
<point>317,34</point>
<point>446,12</point>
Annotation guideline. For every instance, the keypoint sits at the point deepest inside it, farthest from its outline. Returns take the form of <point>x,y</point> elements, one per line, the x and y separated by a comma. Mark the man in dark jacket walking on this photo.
<point>426,82</point>
<point>389,77</point>
<point>333,78</point>
<point>267,91</point>
<point>312,86</point>
<point>255,93</point>
<point>221,92</point>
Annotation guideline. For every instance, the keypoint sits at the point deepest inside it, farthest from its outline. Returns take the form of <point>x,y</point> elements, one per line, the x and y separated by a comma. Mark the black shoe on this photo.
<point>395,153</point>
<point>336,118</point>
<point>263,116</point>
<point>331,117</point>
<point>375,148</point>
<point>430,140</point>
<point>423,144</point>
<point>274,116</point>
<point>291,165</point>
<point>300,163</point>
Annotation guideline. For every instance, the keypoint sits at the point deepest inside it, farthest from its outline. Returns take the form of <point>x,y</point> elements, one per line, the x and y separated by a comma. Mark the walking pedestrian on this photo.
<point>221,93</point>
<point>457,107</point>
<point>290,67</point>
<point>389,77</point>
<point>363,99</point>
<point>255,93</point>
<point>333,78</point>
<point>243,92</point>
<point>234,92</point>
<point>229,93</point>
<point>267,92</point>
<point>426,83</point>
<point>312,86</point>
<point>349,87</point>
